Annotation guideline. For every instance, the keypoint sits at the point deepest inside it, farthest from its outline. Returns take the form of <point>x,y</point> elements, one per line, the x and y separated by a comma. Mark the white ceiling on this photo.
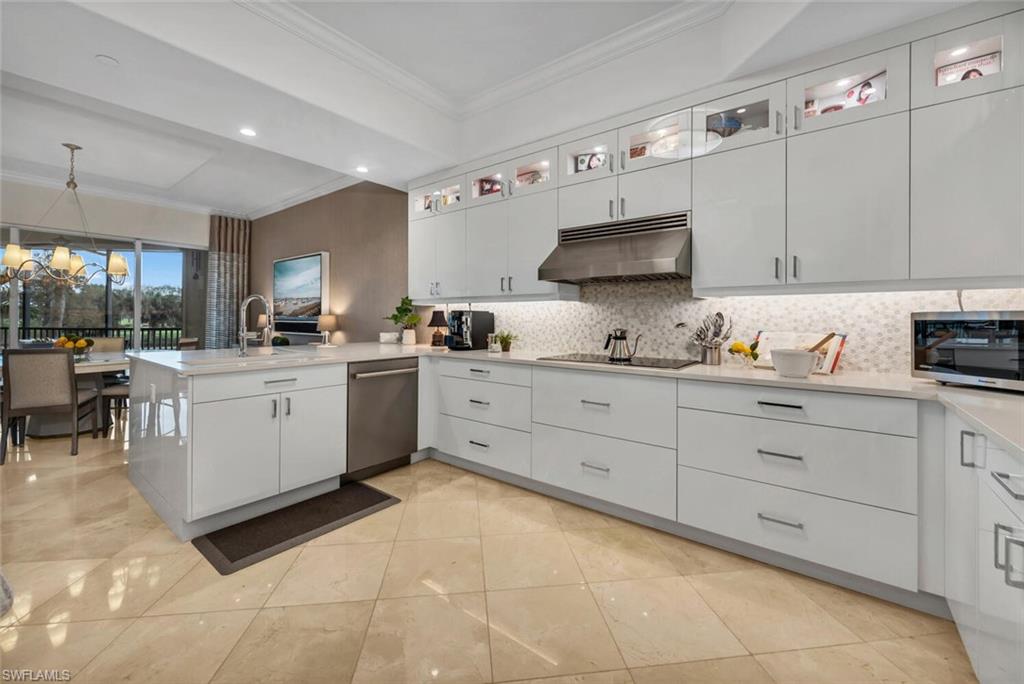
<point>466,49</point>
<point>404,88</point>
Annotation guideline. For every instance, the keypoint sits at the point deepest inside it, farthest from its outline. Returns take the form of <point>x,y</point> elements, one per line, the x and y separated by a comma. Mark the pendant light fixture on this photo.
<point>64,266</point>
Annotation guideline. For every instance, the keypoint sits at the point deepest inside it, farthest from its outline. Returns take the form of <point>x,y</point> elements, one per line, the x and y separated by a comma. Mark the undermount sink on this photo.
<point>231,358</point>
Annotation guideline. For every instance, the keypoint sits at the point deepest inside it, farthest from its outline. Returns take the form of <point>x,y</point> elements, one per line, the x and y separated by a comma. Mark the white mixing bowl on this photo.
<point>794,363</point>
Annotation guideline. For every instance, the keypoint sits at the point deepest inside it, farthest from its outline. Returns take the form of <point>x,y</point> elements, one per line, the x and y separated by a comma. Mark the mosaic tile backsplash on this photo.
<point>878,324</point>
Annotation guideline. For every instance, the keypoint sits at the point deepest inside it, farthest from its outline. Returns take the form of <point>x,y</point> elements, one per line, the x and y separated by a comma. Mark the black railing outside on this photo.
<point>152,338</point>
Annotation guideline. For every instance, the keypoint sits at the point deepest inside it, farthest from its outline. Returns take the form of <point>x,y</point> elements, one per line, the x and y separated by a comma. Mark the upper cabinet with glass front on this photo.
<point>973,60</point>
<point>747,118</point>
<point>654,142</point>
<point>527,174</point>
<point>588,158</point>
<point>856,90</point>
<point>438,198</point>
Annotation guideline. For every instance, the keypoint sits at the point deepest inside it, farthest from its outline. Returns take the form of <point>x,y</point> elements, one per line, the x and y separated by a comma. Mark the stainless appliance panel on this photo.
<point>977,348</point>
<point>383,400</point>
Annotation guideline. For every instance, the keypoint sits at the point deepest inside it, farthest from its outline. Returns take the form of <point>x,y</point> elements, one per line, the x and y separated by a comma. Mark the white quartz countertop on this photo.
<point>998,414</point>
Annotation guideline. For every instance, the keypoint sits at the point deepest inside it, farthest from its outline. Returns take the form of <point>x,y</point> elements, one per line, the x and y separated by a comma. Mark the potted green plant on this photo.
<point>505,339</point>
<point>407,319</point>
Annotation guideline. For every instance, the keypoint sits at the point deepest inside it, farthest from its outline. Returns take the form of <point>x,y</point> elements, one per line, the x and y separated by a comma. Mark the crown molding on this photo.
<point>319,191</point>
<point>300,23</point>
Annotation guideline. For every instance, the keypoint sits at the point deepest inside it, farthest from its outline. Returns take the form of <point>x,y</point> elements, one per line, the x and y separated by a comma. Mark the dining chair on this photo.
<point>108,345</point>
<point>188,343</point>
<point>114,397</point>
<point>40,381</point>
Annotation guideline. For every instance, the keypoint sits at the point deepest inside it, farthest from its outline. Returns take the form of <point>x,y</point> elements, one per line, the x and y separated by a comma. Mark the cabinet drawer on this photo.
<point>637,476</point>
<point>1005,474</point>
<point>632,407</point>
<point>508,373</point>
<point>489,445</point>
<point>488,402</point>
<point>855,411</point>
<point>861,540</point>
<point>269,381</point>
<point>865,467</point>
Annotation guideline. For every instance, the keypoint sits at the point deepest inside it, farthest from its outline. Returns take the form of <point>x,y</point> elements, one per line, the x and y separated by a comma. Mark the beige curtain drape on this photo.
<point>227,279</point>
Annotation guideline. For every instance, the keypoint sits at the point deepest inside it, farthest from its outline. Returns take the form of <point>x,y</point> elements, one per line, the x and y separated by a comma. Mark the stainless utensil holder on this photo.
<point>711,356</point>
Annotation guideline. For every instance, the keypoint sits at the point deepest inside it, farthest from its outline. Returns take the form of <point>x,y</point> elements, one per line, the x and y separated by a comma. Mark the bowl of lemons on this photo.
<point>78,345</point>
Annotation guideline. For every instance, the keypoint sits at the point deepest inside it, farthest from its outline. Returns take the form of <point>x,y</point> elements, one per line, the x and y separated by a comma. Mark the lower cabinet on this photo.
<point>313,435</point>
<point>289,440</point>
<point>490,445</point>
<point>637,476</point>
<point>862,540</point>
<point>232,467</point>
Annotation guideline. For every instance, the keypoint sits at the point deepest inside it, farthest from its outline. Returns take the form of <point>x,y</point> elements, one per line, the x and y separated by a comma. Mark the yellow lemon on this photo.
<point>61,340</point>
<point>80,344</point>
<point>69,345</point>
<point>739,348</point>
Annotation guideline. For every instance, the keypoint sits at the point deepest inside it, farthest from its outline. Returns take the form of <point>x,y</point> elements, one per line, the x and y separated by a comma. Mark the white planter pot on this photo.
<point>408,337</point>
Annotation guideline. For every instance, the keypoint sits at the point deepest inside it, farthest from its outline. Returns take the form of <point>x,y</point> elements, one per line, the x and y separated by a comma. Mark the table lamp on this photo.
<point>326,324</point>
<point>437,321</point>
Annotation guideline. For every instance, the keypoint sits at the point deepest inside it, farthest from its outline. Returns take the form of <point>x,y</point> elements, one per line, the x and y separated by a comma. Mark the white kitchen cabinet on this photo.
<point>436,198</point>
<point>860,89</point>
<point>662,140</point>
<point>588,158</point>
<point>487,249</point>
<point>533,173</point>
<point>449,232</point>
<point>660,190</point>
<point>487,185</point>
<point>944,67</point>
<point>848,203</point>
<point>739,217</point>
<point>967,187</point>
<point>422,259</point>
<point>313,435</point>
<point>490,445</point>
<point>235,467</point>
<point>584,204</point>
<point>532,234</point>
<point>747,118</point>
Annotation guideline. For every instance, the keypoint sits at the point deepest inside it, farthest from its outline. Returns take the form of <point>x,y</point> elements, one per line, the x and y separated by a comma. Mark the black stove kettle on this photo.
<point>619,343</point>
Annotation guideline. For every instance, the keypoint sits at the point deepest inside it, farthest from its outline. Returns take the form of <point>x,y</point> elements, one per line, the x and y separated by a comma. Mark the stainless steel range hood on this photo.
<point>655,248</point>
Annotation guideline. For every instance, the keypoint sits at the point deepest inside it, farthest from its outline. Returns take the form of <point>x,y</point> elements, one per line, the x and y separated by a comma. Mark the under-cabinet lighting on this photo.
<point>959,51</point>
<point>362,169</point>
<point>741,110</point>
<point>247,132</point>
<point>843,83</point>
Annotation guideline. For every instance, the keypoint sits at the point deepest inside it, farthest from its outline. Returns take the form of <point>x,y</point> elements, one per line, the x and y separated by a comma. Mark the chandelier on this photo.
<point>64,265</point>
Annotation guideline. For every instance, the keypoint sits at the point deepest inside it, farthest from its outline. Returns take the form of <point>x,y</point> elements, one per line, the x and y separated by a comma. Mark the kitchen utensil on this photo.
<point>794,363</point>
<point>620,352</point>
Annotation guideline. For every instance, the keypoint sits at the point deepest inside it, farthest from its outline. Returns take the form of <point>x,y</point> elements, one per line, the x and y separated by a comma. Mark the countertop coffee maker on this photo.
<point>469,329</point>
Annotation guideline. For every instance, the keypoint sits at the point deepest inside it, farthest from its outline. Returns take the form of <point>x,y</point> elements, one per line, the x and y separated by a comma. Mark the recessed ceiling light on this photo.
<point>107,60</point>
<point>248,132</point>
<point>843,83</point>
<point>362,169</point>
<point>959,51</point>
<point>741,110</point>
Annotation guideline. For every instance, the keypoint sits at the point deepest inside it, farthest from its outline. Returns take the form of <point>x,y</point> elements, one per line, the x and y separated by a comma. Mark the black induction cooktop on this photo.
<point>637,361</point>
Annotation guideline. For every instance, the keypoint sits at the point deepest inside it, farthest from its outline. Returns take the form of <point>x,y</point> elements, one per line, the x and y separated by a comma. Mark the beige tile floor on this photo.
<point>467,580</point>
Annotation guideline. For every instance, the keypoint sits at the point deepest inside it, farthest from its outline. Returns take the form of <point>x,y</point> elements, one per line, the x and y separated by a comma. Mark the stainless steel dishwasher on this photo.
<point>383,397</point>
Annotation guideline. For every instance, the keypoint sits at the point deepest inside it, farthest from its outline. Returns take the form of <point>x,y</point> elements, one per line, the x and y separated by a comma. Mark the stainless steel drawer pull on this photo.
<point>1004,479</point>
<point>276,382</point>
<point>479,402</point>
<point>480,444</point>
<point>778,122</point>
<point>778,264</point>
<point>777,454</point>
<point>603,469</point>
<point>480,370</point>
<point>384,373</point>
<point>779,404</point>
<point>963,462</point>
<point>780,521</point>
<point>1007,543</point>
<point>287,406</point>
<point>587,402</point>
<point>996,529</point>
<point>611,208</point>
<point>273,408</point>
<point>796,117</point>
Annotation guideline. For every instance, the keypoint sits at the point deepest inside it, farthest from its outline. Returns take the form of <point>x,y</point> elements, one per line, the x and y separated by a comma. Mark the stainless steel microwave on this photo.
<point>978,348</point>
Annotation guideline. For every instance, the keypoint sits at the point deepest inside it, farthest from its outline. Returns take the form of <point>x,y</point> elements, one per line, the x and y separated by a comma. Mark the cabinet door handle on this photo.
<point>273,408</point>
<point>779,404</point>
<point>780,521</point>
<point>287,406</point>
<point>384,373</point>
<point>611,208</point>
<point>622,207</point>
<point>778,122</point>
<point>277,382</point>
<point>611,163</point>
<point>502,186</point>
<point>1004,480</point>
<point>778,265</point>
<point>587,402</point>
<point>796,117</point>
<point>510,186</point>
<point>622,160</point>
<point>478,402</point>
<point>502,283</point>
<point>963,461</point>
<point>603,469</point>
<point>510,283</point>
<point>482,445</point>
<point>778,454</point>
<point>1007,543</point>
<point>794,266</point>
<point>480,370</point>
<point>996,529</point>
